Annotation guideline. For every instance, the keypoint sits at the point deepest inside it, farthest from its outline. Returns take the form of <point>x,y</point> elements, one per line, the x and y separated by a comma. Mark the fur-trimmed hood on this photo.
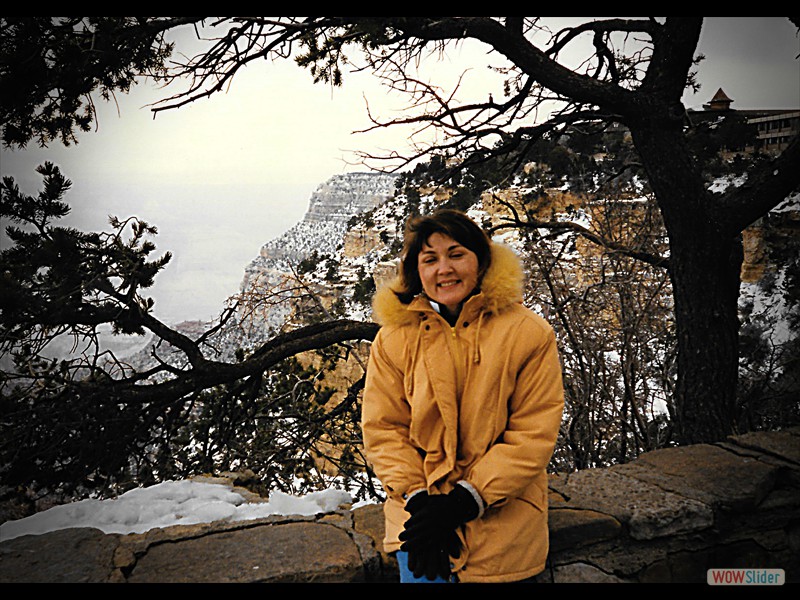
<point>500,288</point>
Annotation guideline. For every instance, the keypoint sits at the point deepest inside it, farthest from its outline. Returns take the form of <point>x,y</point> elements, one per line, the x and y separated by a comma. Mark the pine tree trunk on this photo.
<point>705,263</point>
<point>705,281</point>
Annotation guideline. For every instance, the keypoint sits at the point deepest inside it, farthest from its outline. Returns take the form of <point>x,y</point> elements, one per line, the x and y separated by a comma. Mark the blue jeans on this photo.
<point>406,576</point>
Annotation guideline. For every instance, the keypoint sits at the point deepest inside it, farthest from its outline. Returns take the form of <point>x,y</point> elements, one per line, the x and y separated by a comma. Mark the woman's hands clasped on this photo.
<point>430,536</point>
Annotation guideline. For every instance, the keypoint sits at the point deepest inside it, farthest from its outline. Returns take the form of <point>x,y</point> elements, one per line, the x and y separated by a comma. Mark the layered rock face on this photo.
<point>323,229</point>
<point>344,196</point>
<point>331,206</point>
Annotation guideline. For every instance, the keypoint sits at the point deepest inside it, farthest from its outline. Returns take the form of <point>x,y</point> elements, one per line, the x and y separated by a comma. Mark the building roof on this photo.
<point>720,101</point>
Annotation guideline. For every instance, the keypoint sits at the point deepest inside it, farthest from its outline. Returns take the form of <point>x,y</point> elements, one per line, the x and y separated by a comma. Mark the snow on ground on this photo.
<point>170,503</point>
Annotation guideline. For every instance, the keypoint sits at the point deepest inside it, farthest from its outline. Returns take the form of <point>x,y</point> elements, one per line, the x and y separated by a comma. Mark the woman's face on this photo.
<point>448,270</point>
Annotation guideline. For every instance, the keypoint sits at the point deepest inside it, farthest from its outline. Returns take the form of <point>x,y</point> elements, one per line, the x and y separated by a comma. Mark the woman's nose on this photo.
<point>445,266</point>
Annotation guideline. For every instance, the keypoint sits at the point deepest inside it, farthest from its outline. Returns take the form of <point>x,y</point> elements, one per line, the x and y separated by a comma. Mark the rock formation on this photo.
<point>331,207</point>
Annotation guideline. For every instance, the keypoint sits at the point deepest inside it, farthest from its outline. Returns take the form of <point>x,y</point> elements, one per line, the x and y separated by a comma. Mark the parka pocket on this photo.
<point>536,496</point>
<point>511,537</point>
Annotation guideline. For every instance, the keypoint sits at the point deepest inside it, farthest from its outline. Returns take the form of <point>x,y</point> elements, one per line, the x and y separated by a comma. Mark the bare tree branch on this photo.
<point>208,373</point>
<point>763,190</point>
<point>530,222</point>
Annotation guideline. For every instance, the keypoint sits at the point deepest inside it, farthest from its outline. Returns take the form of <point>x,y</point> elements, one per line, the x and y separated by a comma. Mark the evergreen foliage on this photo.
<point>52,65</point>
<point>87,422</point>
<point>58,281</point>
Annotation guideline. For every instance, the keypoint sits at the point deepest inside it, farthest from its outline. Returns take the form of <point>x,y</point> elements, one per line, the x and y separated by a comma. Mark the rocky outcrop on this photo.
<point>675,513</point>
<point>346,195</point>
<point>667,517</point>
<point>323,227</point>
<point>322,231</point>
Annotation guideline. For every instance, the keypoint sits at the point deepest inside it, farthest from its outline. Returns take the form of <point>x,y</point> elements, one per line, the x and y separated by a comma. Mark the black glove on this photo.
<point>416,502</point>
<point>438,517</point>
<point>423,560</point>
<point>430,536</point>
<point>432,559</point>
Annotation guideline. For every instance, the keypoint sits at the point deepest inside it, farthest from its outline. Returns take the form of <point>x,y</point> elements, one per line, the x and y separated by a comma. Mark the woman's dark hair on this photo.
<point>452,223</point>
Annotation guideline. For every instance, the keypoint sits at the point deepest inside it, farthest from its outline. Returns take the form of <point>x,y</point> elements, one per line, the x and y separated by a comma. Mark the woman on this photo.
<point>462,407</point>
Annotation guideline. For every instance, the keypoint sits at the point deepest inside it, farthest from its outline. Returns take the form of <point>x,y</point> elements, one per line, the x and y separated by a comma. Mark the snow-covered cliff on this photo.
<point>331,206</point>
<point>321,233</point>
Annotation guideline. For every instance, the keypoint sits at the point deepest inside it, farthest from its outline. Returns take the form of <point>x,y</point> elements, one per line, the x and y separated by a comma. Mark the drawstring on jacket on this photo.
<point>476,359</point>
<point>414,353</point>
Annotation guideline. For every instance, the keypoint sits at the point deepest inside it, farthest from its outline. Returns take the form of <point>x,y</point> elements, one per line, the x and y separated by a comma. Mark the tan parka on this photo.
<point>479,402</point>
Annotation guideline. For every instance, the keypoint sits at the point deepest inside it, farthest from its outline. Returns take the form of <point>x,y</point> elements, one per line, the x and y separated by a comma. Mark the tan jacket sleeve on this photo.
<point>524,450</point>
<point>385,421</point>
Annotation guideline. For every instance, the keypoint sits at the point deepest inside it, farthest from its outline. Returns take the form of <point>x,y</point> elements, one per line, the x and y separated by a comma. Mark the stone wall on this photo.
<point>667,517</point>
<point>673,514</point>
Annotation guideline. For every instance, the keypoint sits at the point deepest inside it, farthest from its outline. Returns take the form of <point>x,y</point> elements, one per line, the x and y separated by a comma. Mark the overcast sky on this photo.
<point>221,177</point>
